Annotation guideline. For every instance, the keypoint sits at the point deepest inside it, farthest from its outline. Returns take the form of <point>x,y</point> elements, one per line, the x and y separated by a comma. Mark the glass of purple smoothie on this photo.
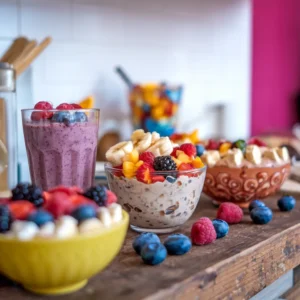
<point>61,146</point>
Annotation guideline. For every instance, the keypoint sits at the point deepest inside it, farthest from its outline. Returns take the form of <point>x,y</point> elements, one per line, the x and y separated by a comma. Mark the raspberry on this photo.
<point>212,145</point>
<point>257,142</point>
<point>111,197</point>
<point>174,151</point>
<point>42,115</point>
<point>21,209</point>
<point>76,106</point>
<point>189,149</point>
<point>164,163</point>
<point>147,157</point>
<point>143,173</point>
<point>203,232</point>
<point>43,105</point>
<point>98,194</point>
<point>230,212</point>
<point>65,106</point>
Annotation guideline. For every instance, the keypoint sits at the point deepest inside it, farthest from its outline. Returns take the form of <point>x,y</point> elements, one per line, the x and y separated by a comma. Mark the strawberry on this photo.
<point>65,106</point>
<point>59,204</point>
<point>68,190</point>
<point>111,197</point>
<point>76,106</point>
<point>143,173</point>
<point>147,157</point>
<point>174,151</point>
<point>257,142</point>
<point>21,209</point>
<point>158,178</point>
<point>119,171</point>
<point>189,149</point>
<point>186,167</point>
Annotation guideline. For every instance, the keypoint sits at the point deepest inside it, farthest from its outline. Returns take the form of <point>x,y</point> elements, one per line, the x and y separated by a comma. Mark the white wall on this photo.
<point>204,44</point>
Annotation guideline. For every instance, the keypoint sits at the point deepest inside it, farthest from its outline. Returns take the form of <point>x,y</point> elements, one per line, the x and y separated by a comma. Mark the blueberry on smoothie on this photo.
<point>80,117</point>
<point>261,215</point>
<point>153,253</point>
<point>286,203</point>
<point>143,239</point>
<point>256,203</point>
<point>178,244</point>
<point>63,117</point>
<point>221,228</point>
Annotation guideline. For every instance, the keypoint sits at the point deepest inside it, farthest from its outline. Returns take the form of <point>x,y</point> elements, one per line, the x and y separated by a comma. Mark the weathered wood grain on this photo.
<point>235,267</point>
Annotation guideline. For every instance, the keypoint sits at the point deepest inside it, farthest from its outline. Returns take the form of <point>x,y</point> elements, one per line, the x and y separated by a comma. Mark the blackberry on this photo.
<point>30,192</point>
<point>97,193</point>
<point>5,218</point>
<point>164,163</point>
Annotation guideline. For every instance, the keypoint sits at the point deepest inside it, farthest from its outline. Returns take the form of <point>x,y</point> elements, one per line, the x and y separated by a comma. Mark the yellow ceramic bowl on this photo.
<point>60,266</point>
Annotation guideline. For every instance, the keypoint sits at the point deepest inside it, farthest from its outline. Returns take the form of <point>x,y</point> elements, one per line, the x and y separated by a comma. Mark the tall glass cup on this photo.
<point>154,107</point>
<point>61,146</point>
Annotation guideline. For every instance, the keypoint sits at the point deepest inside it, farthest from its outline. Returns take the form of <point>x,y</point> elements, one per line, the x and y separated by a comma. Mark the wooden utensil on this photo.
<point>28,48</point>
<point>23,64</point>
<point>13,51</point>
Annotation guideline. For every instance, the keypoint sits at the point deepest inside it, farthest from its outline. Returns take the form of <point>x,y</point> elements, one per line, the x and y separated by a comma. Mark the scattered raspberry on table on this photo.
<point>230,212</point>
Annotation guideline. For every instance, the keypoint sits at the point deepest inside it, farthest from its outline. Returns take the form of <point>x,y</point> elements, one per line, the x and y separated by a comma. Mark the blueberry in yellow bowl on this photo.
<point>56,247</point>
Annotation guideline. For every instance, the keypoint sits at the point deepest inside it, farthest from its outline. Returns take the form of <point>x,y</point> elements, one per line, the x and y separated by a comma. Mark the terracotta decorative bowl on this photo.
<point>242,185</point>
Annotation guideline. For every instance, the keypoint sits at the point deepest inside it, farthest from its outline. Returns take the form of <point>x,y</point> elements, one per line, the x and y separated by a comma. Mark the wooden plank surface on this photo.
<point>235,267</point>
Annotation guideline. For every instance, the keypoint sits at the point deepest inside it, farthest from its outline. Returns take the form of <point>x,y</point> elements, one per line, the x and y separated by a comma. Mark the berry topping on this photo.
<point>63,117</point>
<point>42,115</point>
<point>84,212</point>
<point>230,212</point>
<point>98,194</point>
<point>240,144</point>
<point>158,178</point>
<point>203,232</point>
<point>147,157</point>
<point>200,149</point>
<point>212,145</point>
<point>221,228</point>
<point>189,149</point>
<point>5,218</point>
<point>30,192</point>
<point>40,217</point>
<point>65,106</point>
<point>286,203</point>
<point>21,209</point>
<point>257,142</point>
<point>76,106</point>
<point>111,197</point>
<point>143,173</point>
<point>164,163</point>
<point>43,105</point>
<point>80,117</point>
<point>59,204</point>
<point>177,244</point>
<point>261,215</point>
<point>174,152</point>
<point>186,167</point>
<point>153,253</point>
<point>143,239</point>
<point>256,203</point>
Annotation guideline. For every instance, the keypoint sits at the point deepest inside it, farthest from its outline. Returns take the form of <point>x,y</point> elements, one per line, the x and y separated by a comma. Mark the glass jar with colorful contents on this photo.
<point>154,107</point>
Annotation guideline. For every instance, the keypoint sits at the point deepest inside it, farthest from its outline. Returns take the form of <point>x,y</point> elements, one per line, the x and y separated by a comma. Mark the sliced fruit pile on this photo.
<point>148,155</point>
<point>61,212</point>
<point>66,115</point>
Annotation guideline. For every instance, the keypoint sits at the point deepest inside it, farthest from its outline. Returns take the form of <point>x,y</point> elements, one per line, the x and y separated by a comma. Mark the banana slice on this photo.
<point>116,153</point>
<point>253,154</point>
<point>272,154</point>
<point>155,137</point>
<point>143,143</point>
<point>210,157</point>
<point>283,153</point>
<point>90,226</point>
<point>137,135</point>
<point>235,156</point>
<point>162,147</point>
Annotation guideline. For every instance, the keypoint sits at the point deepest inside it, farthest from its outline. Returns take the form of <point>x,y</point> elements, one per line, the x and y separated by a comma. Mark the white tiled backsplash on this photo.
<point>204,44</point>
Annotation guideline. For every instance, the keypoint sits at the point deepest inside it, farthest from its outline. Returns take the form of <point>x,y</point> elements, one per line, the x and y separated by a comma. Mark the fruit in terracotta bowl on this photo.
<point>53,242</point>
<point>240,172</point>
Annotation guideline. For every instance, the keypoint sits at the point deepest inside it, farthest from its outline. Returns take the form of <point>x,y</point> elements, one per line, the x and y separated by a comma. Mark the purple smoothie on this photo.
<point>60,154</point>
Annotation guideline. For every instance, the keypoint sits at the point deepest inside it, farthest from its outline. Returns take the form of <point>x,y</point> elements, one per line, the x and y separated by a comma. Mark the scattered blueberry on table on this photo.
<point>153,253</point>
<point>261,215</point>
<point>178,244</point>
<point>286,203</point>
<point>256,203</point>
<point>143,239</point>
<point>221,228</point>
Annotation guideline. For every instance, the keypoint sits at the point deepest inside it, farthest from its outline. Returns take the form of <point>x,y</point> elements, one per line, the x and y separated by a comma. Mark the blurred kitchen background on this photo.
<point>238,60</point>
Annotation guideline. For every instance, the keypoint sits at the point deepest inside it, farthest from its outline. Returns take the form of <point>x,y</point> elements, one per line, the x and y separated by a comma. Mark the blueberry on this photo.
<point>143,239</point>
<point>63,117</point>
<point>221,228</point>
<point>5,218</point>
<point>200,149</point>
<point>171,179</point>
<point>80,117</point>
<point>286,203</point>
<point>256,203</point>
<point>40,217</point>
<point>178,244</point>
<point>153,253</point>
<point>261,215</point>
<point>84,212</point>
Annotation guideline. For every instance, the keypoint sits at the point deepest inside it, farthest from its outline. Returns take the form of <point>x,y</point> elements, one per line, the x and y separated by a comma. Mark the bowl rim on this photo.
<point>252,168</point>
<point>77,238</point>
<point>61,110</point>
<point>108,167</point>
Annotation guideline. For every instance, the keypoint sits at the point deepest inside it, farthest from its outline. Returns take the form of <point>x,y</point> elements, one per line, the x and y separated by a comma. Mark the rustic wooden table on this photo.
<point>236,267</point>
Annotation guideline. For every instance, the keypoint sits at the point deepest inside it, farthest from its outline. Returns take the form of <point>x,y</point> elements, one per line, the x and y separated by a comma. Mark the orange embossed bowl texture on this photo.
<point>242,185</point>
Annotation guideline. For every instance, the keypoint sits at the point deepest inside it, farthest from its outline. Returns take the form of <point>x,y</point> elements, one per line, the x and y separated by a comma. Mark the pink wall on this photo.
<point>275,64</point>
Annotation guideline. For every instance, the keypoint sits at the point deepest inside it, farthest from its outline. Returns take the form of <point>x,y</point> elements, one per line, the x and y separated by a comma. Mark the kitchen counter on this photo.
<point>238,266</point>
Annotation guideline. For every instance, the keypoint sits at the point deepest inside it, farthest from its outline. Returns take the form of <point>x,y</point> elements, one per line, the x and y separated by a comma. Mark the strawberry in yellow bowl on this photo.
<point>54,245</point>
<point>158,183</point>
